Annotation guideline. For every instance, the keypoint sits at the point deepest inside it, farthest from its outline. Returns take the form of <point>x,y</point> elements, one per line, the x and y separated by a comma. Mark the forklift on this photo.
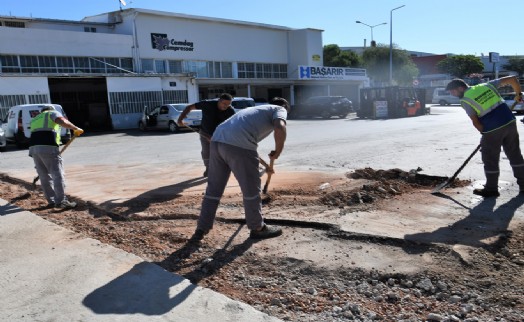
<point>392,102</point>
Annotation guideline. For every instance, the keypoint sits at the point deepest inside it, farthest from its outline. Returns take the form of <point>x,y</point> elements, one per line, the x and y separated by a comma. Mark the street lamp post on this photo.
<point>391,43</point>
<point>371,27</point>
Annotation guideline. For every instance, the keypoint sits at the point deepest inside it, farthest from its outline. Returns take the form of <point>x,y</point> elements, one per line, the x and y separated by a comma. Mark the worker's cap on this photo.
<point>456,83</point>
<point>48,108</point>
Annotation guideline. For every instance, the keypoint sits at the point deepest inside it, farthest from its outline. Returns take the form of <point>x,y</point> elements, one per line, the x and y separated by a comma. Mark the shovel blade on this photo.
<point>441,186</point>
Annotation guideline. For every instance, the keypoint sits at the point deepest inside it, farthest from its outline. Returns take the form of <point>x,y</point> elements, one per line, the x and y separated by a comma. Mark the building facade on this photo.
<point>106,68</point>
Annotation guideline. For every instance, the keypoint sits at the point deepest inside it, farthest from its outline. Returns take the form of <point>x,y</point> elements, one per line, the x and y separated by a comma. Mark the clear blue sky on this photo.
<point>434,26</point>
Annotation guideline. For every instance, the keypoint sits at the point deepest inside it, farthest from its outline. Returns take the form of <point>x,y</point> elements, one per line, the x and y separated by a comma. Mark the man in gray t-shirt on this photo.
<point>234,149</point>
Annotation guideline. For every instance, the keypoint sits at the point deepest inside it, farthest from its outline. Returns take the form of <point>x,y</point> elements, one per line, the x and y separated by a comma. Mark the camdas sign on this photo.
<point>329,73</point>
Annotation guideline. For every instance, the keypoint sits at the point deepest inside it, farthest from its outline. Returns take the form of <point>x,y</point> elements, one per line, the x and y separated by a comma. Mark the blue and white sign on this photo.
<point>329,73</point>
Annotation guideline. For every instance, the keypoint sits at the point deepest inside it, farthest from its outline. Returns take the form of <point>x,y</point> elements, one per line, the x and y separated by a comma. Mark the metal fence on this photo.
<point>7,101</point>
<point>134,102</point>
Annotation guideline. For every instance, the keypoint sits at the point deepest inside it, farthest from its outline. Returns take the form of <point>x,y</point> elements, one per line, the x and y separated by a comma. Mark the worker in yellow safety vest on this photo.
<point>493,118</point>
<point>43,148</point>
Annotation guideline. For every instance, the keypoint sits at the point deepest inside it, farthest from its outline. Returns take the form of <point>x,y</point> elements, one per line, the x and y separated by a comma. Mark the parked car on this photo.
<point>510,100</point>
<point>260,101</point>
<point>17,123</point>
<point>323,106</point>
<point>443,97</point>
<point>240,103</point>
<point>165,117</point>
<point>3,141</point>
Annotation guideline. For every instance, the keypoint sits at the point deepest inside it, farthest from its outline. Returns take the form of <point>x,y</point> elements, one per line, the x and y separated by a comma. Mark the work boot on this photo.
<point>66,204</point>
<point>486,193</point>
<point>266,232</point>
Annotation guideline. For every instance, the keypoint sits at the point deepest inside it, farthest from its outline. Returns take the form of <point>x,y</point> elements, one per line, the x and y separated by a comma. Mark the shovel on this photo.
<point>454,176</point>
<point>35,180</point>
<point>271,162</point>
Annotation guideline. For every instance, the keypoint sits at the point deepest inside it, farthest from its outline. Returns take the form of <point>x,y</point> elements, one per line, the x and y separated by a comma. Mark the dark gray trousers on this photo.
<point>204,142</point>
<point>507,138</point>
<point>223,160</point>
<point>51,173</point>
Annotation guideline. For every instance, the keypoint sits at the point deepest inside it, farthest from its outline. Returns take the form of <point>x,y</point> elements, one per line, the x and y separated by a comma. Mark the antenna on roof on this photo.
<point>122,3</point>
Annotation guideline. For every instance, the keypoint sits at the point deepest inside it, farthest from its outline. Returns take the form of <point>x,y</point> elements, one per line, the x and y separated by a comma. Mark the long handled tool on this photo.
<point>269,173</point>
<point>454,176</point>
<point>35,180</point>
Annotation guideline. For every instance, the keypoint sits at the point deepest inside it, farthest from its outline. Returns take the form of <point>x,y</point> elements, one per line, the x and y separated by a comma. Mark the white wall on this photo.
<point>303,45</point>
<point>216,41</point>
<point>24,86</point>
<point>23,41</point>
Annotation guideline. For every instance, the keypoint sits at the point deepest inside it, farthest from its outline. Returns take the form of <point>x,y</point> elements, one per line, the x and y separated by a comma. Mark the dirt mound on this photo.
<point>384,184</point>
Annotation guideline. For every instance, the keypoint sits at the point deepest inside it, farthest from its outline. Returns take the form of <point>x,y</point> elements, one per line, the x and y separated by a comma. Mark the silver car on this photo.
<point>510,100</point>
<point>3,142</point>
<point>165,117</point>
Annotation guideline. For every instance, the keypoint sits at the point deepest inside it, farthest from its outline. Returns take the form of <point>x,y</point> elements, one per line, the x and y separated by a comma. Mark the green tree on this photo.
<point>515,64</point>
<point>376,61</point>
<point>334,57</point>
<point>460,65</point>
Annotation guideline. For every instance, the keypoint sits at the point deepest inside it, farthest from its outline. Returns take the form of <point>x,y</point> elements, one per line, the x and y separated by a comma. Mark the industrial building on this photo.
<point>106,68</point>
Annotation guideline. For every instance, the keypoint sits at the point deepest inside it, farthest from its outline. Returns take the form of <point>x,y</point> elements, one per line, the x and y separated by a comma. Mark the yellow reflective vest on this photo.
<point>482,98</point>
<point>44,131</point>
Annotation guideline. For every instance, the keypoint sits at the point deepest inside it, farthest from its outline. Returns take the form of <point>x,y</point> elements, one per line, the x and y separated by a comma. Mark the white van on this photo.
<point>443,97</point>
<point>17,123</point>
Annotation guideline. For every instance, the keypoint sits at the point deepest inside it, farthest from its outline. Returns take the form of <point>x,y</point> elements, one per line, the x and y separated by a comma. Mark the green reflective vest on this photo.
<point>41,126</point>
<point>483,98</point>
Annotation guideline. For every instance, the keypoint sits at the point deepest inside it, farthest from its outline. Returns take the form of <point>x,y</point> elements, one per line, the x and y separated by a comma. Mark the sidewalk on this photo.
<point>48,273</point>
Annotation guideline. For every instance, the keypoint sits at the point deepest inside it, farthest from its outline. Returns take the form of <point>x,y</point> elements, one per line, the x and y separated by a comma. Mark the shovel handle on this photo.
<point>271,162</point>
<point>452,178</point>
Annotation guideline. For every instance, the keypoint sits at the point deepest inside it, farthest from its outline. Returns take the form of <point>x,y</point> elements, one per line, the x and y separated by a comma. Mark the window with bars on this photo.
<point>160,66</point>
<point>197,67</point>
<point>175,66</point>
<point>148,65</point>
<point>47,64</point>
<point>14,24</point>
<point>134,102</point>
<point>58,64</point>
<point>81,64</point>
<point>29,64</point>
<point>98,65</point>
<point>64,64</point>
<point>112,65</point>
<point>258,70</point>
<point>38,98</point>
<point>9,64</point>
<point>6,101</point>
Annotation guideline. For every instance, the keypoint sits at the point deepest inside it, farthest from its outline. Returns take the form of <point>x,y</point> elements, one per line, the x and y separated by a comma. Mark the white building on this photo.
<point>104,69</point>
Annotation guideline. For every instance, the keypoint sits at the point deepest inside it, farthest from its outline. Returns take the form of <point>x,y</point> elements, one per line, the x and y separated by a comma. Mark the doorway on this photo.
<point>84,101</point>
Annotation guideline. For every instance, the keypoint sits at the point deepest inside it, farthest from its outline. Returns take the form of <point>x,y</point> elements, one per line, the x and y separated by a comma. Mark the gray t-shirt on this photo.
<point>249,126</point>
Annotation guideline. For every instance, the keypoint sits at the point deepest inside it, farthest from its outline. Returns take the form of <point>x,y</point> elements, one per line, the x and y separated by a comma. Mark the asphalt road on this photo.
<point>438,143</point>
